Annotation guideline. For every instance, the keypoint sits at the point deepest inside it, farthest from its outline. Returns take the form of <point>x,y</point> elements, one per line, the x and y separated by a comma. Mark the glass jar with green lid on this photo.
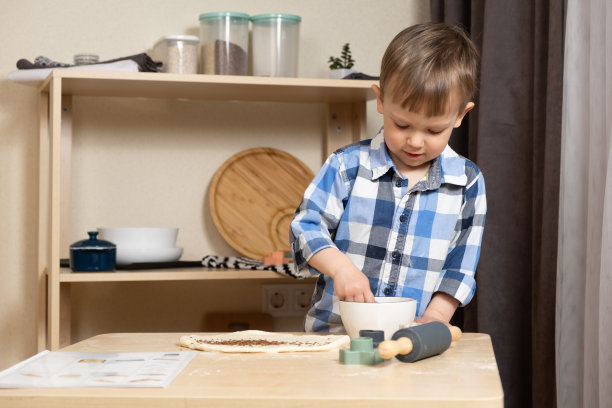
<point>275,44</point>
<point>224,43</point>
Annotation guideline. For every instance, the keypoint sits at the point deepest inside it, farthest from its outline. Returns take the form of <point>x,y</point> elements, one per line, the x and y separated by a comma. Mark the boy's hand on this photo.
<point>441,308</point>
<point>350,284</point>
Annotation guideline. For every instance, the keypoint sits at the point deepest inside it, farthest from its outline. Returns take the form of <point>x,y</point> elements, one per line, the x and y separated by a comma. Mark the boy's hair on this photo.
<point>429,66</point>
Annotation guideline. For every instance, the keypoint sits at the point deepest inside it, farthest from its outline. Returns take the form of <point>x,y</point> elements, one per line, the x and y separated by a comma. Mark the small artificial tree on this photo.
<point>345,61</point>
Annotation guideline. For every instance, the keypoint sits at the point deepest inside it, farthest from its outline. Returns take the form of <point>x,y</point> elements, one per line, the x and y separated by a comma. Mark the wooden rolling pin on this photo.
<point>419,342</point>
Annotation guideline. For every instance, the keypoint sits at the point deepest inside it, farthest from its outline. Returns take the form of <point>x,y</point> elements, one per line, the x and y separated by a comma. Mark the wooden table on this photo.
<point>464,376</point>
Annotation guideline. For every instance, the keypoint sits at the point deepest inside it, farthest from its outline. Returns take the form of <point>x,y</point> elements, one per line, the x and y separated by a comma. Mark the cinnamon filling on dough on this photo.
<point>260,342</point>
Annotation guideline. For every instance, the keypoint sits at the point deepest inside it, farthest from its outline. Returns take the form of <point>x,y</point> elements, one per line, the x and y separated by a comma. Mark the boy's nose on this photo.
<point>415,139</point>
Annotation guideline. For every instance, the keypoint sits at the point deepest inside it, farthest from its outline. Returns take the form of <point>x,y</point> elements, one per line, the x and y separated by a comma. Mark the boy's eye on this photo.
<point>435,132</point>
<point>402,126</point>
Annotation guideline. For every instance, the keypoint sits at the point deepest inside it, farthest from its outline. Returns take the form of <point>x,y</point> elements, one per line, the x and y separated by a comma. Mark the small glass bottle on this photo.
<point>86,59</point>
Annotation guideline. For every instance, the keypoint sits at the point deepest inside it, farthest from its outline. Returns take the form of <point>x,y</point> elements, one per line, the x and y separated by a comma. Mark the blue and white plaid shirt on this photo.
<point>408,243</point>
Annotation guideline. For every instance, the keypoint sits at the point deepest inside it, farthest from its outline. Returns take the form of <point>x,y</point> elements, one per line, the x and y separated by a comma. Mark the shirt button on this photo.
<point>398,183</point>
<point>387,291</point>
<point>395,255</point>
<point>402,218</point>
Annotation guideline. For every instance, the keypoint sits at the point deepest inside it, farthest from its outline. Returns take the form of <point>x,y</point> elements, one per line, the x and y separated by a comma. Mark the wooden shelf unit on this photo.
<point>346,118</point>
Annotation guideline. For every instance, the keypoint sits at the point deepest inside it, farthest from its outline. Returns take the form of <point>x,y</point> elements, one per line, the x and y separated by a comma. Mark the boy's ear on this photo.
<point>468,107</point>
<point>379,101</point>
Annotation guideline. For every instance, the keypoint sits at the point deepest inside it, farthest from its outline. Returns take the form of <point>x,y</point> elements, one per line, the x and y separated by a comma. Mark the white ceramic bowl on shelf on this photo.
<point>388,314</point>
<point>127,256</point>
<point>135,237</point>
<point>143,244</point>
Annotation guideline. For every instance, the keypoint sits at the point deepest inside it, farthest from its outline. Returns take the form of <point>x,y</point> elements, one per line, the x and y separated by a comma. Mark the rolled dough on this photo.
<point>256,341</point>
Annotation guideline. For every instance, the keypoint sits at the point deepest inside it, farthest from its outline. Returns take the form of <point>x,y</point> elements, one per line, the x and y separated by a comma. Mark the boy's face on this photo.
<point>413,138</point>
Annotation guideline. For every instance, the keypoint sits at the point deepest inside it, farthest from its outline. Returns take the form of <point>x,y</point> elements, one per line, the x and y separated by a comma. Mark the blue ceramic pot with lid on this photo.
<point>93,254</point>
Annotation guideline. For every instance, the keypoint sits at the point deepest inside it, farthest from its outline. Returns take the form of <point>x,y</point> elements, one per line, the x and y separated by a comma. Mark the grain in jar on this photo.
<point>178,53</point>
<point>224,42</point>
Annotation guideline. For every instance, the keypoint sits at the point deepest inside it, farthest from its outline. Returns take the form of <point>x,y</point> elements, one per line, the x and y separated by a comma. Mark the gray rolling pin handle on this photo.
<point>427,339</point>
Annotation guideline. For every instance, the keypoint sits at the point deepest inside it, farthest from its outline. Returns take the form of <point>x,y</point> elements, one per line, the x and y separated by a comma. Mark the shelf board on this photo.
<point>177,274</point>
<point>210,87</point>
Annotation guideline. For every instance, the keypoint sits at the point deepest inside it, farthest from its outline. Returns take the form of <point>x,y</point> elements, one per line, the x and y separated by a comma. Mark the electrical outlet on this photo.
<point>286,300</point>
<point>275,300</point>
<point>302,296</point>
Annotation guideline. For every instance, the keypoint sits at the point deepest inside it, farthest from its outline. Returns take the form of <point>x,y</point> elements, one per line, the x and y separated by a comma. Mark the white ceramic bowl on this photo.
<point>126,256</point>
<point>140,237</point>
<point>388,314</point>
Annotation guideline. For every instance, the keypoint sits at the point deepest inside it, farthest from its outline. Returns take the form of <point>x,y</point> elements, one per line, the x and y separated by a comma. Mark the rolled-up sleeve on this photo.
<point>458,273</point>
<point>315,221</point>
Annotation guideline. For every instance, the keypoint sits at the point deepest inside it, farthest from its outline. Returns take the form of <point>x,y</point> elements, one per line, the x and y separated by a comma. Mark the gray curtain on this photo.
<point>514,135</point>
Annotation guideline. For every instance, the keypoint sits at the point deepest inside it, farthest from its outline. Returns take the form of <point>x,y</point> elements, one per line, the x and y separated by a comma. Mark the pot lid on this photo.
<point>93,243</point>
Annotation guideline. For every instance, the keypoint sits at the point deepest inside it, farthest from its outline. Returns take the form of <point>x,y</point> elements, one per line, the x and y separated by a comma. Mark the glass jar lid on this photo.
<point>223,14</point>
<point>277,16</point>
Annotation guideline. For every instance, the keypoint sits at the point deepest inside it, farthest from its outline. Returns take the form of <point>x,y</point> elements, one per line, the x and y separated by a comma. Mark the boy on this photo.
<point>401,214</point>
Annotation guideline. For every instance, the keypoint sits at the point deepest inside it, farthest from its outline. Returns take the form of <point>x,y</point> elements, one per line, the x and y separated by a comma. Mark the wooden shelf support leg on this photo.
<point>43,219</point>
<point>60,142</point>
<point>345,125</point>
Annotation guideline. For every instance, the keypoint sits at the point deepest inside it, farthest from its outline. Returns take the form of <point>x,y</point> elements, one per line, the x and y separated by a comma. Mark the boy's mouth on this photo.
<point>413,155</point>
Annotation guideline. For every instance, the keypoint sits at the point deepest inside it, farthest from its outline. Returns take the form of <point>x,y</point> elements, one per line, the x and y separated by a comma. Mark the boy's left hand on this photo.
<point>441,308</point>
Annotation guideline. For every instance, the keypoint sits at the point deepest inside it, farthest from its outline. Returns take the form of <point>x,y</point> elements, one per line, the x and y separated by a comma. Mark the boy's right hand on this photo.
<point>350,284</point>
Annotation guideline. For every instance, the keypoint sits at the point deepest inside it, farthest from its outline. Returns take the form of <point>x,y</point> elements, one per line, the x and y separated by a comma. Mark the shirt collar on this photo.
<point>449,167</point>
<point>380,162</point>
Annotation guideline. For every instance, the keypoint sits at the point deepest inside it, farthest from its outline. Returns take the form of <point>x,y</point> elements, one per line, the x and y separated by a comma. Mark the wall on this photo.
<point>151,160</point>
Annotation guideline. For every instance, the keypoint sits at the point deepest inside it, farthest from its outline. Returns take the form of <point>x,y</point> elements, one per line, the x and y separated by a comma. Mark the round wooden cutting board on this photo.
<point>253,196</point>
